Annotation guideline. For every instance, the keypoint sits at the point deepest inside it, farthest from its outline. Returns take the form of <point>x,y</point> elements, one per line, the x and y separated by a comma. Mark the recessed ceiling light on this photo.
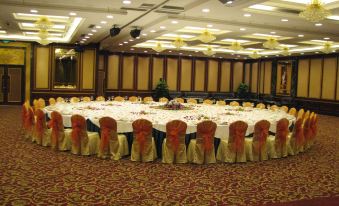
<point>326,38</point>
<point>93,30</point>
<point>196,51</point>
<point>300,35</point>
<point>82,42</point>
<point>205,10</point>
<point>266,56</point>
<point>72,14</point>
<point>174,22</point>
<point>162,27</point>
<point>209,25</point>
<point>273,32</point>
<point>126,2</point>
<point>125,42</point>
<point>145,51</point>
<point>120,44</point>
<point>84,39</point>
<point>318,24</point>
<point>98,27</point>
<point>144,34</point>
<point>33,11</point>
<point>109,17</point>
<point>242,29</point>
<point>103,22</point>
<point>87,37</point>
<point>317,52</point>
<point>247,15</point>
<point>152,31</point>
<point>180,53</point>
<point>190,55</point>
<point>132,49</point>
<point>170,51</point>
<point>284,20</point>
<point>131,40</point>
<point>262,7</point>
<point>138,37</point>
<point>90,34</point>
<point>3,32</point>
<point>229,2</point>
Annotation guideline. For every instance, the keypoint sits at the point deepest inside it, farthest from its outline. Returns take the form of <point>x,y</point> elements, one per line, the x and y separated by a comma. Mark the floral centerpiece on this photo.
<point>173,105</point>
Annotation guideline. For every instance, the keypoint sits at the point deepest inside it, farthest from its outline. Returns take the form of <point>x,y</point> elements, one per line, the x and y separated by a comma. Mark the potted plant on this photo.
<point>161,90</point>
<point>243,91</point>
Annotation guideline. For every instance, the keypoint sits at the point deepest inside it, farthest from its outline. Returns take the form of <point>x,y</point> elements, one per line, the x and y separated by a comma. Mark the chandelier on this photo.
<point>315,11</point>
<point>158,47</point>
<point>271,43</point>
<point>327,48</point>
<point>206,36</point>
<point>285,51</point>
<point>236,46</point>
<point>43,24</point>
<point>178,43</point>
<point>209,51</point>
<point>255,55</point>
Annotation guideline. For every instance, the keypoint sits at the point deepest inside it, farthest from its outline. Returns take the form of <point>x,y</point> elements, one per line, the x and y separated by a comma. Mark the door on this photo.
<point>11,83</point>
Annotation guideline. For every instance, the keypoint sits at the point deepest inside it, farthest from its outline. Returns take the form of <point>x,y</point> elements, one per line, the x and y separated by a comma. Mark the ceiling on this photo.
<point>248,22</point>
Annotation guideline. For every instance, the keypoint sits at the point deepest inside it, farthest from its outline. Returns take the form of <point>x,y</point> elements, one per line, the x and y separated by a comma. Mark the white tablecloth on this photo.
<point>126,112</point>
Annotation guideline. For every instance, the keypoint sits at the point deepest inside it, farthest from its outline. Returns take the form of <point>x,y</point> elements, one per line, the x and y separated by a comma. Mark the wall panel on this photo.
<point>113,72</point>
<point>212,76</point>
<point>261,77</point>
<point>88,69</point>
<point>247,73</point>
<point>329,78</point>
<point>128,72</point>
<point>254,83</point>
<point>172,73</point>
<point>303,69</point>
<point>143,73</point>
<point>186,75</point>
<point>237,75</point>
<point>158,70</point>
<point>267,80</point>
<point>315,78</point>
<point>42,68</point>
<point>199,75</point>
<point>225,76</point>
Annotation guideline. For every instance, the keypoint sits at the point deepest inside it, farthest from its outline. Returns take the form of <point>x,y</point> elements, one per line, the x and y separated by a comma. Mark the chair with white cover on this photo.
<point>174,147</point>
<point>292,111</point>
<point>247,104</point>
<point>180,100</point>
<point>208,102</point>
<point>256,148</point>
<point>192,101</point>
<point>163,99</point>
<point>75,100</point>
<point>314,128</point>
<point>42,135</point>
<point>234,104</point>
<point>221,103</point>
<point>148,99</point>
<point>86,99</point>
<point>284,108</point>
<point>274,107</point>
<point>260,106</point>
<point>41,103</point>
<point>307,131</point>
<point>301,113</point>
<point>296,139</point>
<point>100,99</point>
<point>60,137</point>
<point>83,142</point>
<point>112,144</point>
<point>201,150</point>
<point>233,149</point>
<point>143,146</point>
<point>119,99</point>
<point>277,145</point>
<point>133,99</point>
<point>60,100</point>
<point>28,120</point>
<point>51,101</point>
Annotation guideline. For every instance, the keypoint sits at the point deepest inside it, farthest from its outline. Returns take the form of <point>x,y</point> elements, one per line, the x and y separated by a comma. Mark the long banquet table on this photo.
<point>126,112</point>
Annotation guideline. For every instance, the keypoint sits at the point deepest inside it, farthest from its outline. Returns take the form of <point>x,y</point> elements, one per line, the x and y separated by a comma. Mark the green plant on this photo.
<point>161,89</point>
<point>243,90</point>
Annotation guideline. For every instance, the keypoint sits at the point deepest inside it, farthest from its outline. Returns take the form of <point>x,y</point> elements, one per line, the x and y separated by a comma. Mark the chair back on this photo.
<point>180,100</point>
<point>57,126</point>
<point>119,99</point>
<point>51,101</point>
<point>142,131</point>
<point>192,101</point>
<point>208,102</point>
<point>298,132</point>
<point>133,99</point>
<point>237,132</point>
<point>205,134</point>
<point>175,134</point>
<point>148,99</point>
<point>40,125</point>
<point>306,115</point>
<point>79,131</point>
<point>108,131</point>
<point>261,106</point>
<point>86,99</point>
<point>41,103</point>
<point>163,99</point>
<point>281,132</point>
<point>307,129</point>
<point>261,129</point>
<point>29,119</point>
<point>301,113</point>
<point>247,104</point>
<point>100,98</point>
<point>292,111</point>
<point>284,108</point>
<point>274,107</point>
<point>221,103</point>
<point>314,126</point>
<point>60,99</point>
<point>75,100</point>
<point>234,104</point>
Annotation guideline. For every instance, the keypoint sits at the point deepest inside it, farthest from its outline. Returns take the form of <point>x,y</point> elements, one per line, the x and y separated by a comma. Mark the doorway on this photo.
<point>12,85</point>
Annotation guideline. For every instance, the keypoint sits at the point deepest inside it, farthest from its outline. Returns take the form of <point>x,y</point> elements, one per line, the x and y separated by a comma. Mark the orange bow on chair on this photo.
<point>282,132</point>
<point>56,125</point>
<point>78,126</point>
<point>108,126</point>
<point>260,135</point>
<point>239,139</point>
<point>207,130</point>
<point>40,124</point>
<point>142,128</point>
<point>174,130</point>
<point>29,120</point>
<point>173,138</point>
<point>299,133</point>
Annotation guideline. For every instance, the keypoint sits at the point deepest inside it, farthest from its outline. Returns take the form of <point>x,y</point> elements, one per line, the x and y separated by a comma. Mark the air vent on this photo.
<point>133,9</point>
<point>91,26</point>
<point>170,9</point>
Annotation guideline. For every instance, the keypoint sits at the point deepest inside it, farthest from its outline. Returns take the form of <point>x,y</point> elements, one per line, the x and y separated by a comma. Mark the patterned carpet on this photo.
<point>36,175</point>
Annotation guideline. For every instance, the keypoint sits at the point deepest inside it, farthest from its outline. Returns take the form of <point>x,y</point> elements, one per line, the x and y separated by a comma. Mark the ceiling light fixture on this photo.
<point>109,17</point>
<point>254,55</point>
<point>271,43</point>
<point>247,15</point>
<point>300,35</point>
<point>174,22</point>
<point>205,10</point>
<point>315,11</point>
<point>114,31</point>
<point>236,46</point>
<point>135,32</point>
<point>318,24</point>
<point>158,47</point>
<point>103,22</point>
<point>178,43</point>
<point>206,36</point>
<point>242,29</point>
<point>126,2</point>
<point>209,51</point>
<point>33,11</point>
<point>327,48</point>
<point>72,14</point>
<point>98,27</point>
<point>284,20</point>
<point>285,51</point>
<point>209,25</point>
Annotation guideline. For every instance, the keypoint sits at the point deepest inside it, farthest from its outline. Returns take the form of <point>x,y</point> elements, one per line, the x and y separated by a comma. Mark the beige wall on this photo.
<point>212,76</point>
<point>128,73</point>
<point>158,70</point>
<point>237,74</point>
<point>186,73</point>
<point>199,75</point>
<point>254,83</point>
<point>303,70</point>
<point>88,69</point>
<point>143,73</point>
<point>42,66</point>
<point>172,73</point>
<point>113,72</point>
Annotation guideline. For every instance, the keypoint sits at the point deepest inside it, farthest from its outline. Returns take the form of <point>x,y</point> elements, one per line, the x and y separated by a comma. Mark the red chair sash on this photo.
<point>39,127</point>
<point>208,141</point>
<point>105,136</point>
<point>29,119</point>
<point>142,129</point>
<point>175,129</point>
<point>239,140</point>
<point>206,130</point>
<point>77,128</point>
<point>282,131</point>
<point>54,125</point>
<point>260,133</point>
<point>173,138</point>
<point>141,137</point>
<point>299,133</point>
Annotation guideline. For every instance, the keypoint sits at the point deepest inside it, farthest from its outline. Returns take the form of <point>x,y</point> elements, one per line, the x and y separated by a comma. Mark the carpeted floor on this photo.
<point>34,175</point>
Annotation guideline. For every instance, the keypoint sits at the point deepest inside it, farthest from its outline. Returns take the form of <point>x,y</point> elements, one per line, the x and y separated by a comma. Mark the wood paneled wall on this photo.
<point>318,78</point>
<point>140,73</point>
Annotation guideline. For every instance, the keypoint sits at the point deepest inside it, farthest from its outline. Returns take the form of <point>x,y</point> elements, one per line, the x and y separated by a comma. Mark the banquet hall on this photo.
<point>169,102</point>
